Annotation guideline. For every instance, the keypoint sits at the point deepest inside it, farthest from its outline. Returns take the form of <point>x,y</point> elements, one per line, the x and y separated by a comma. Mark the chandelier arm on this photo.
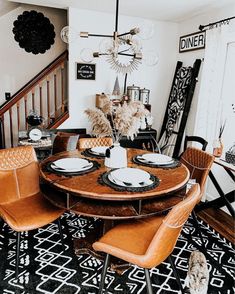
<point>116,18</point>
<point>124,34</point>
<point>100,35</point>
<point>124,51</point>
<point>125,54</point>
<point>125,81</point>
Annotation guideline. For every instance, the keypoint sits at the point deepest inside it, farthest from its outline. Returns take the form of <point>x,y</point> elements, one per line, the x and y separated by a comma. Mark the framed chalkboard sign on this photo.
<point>86,71</point>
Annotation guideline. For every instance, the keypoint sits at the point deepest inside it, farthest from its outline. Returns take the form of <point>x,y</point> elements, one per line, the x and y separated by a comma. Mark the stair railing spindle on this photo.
<point>11,127</point>
<point>25,111</point>
<point>2,133</point>
<point>18,115</point>
<point>33,99</point>
<point>40,99</point>
<point>62,87</point>
<point>55,94</point>
<point>48,102</point>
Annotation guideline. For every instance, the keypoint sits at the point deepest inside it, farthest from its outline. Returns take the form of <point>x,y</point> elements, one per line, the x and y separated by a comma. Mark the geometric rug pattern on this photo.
<point>46,268</point>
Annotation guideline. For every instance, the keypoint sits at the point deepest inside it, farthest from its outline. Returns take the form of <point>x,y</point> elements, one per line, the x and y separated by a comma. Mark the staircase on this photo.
<point>46,93</point>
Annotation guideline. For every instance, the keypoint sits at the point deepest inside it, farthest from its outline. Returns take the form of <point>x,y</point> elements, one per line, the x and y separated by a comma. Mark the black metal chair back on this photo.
<point>197,139</point>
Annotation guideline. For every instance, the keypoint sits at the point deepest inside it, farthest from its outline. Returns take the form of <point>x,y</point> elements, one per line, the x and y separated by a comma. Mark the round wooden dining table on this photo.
<point>86,196</point>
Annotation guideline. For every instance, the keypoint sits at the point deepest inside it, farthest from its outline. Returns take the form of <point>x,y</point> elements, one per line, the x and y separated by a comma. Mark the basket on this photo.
<point>230,157</point>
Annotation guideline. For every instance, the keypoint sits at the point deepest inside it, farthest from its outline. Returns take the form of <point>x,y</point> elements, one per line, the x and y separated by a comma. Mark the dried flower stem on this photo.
<point>221,129</point>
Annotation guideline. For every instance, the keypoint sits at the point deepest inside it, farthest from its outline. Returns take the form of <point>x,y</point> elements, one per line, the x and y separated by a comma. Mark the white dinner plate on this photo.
<point>135,185</point>
<point>71,163</point>
<point>86,167</point>
<point>99,150</point>
<point>157,158</point>
<point>133,176</point>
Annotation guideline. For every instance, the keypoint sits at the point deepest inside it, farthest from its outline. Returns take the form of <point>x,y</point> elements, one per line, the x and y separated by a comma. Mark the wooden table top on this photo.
<point>87,185</point>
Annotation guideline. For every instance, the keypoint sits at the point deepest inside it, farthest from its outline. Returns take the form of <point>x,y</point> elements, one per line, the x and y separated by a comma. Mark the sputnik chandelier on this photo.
<point>123,51</point>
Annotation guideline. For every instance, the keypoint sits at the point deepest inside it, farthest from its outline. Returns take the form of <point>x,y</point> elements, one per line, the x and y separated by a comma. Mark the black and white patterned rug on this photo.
<point>46,268</point>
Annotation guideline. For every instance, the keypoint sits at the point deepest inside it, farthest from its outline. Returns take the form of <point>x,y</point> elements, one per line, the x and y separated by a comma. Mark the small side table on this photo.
<point>42,147</point>
<point>224,199</point>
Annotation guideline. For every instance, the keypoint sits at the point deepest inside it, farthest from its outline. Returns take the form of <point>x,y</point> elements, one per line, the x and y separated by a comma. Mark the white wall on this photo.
<point>17,67</point>
<point>191,26</point>
<point>158,78</point>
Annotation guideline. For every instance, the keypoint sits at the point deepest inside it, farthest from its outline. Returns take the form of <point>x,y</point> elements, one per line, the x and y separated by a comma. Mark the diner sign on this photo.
<point>85,71</point>
<point>192,41</point>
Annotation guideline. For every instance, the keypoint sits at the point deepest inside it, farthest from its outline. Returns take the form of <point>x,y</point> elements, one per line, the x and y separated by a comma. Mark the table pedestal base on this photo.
<point>84,246</point>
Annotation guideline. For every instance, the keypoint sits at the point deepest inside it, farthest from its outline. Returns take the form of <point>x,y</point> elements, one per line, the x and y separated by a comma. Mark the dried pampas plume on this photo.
<point>107,108</point>
<point>100,124</point>
<point>125,120</point>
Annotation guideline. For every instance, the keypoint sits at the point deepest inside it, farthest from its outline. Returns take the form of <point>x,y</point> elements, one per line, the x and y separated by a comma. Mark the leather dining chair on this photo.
<point>199,164</point>
<point>64,142</point>
<point>148,242</point>
<point>22,205</point>
<point>84,143</point>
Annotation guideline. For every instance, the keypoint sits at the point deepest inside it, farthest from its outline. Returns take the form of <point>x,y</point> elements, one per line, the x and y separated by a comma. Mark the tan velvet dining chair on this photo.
<point>148,242</point>
<point>22,205</point>
<point>199,164</point>
<point>85,143</point>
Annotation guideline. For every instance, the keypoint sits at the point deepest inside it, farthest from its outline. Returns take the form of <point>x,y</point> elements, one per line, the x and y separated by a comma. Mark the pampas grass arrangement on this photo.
<point>117,122</point>
<point>100,124</point>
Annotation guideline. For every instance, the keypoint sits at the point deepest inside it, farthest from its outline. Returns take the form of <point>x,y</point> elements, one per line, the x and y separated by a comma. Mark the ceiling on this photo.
<point>168,10</point>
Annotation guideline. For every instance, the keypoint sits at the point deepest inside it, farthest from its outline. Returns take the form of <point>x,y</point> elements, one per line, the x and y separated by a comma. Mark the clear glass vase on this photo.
<point>218,147</point>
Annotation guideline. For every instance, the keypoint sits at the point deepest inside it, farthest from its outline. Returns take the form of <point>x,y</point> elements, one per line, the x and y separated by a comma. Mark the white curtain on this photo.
<point>209,113</point>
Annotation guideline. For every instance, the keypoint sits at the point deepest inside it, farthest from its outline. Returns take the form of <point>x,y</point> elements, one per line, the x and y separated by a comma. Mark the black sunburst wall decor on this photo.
<point>34,32</point>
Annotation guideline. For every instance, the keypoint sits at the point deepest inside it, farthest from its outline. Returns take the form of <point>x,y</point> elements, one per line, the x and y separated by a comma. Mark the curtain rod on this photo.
<point>202,27</point>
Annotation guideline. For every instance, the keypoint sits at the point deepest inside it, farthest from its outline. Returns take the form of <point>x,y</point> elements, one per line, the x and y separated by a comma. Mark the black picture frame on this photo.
<point>86,71</point>
<point>194,41</point>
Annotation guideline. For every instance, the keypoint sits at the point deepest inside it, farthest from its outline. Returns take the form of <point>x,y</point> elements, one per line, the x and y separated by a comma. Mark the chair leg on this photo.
<point>61,233</point>
<point>1,224</point>
<point>148,281</point>
<point>17,253</point>
<point>103,275</point>
<point>175,272</point>
<point>197,225</point>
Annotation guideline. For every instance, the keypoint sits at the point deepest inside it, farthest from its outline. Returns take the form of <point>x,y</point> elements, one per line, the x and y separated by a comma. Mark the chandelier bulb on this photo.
<point>150,57</point>
<point>146,30</point>
<point>68,34</point>
<point>86,55</point>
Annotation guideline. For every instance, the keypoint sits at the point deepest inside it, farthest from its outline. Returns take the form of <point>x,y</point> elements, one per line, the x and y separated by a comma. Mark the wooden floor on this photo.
<point>219,220</point>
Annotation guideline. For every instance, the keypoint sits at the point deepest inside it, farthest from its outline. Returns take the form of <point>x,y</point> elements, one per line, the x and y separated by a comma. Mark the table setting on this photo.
<point>156,160</point>
<point>129,179</point>
<point>95,152</point>
<point>71,166</point>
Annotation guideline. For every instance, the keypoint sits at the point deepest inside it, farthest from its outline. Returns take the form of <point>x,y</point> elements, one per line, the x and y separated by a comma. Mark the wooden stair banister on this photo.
<point>15,111</point>
<point>33,82</point>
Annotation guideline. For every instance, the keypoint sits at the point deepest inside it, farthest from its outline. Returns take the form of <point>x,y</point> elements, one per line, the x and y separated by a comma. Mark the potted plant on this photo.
<point>218,144</point>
